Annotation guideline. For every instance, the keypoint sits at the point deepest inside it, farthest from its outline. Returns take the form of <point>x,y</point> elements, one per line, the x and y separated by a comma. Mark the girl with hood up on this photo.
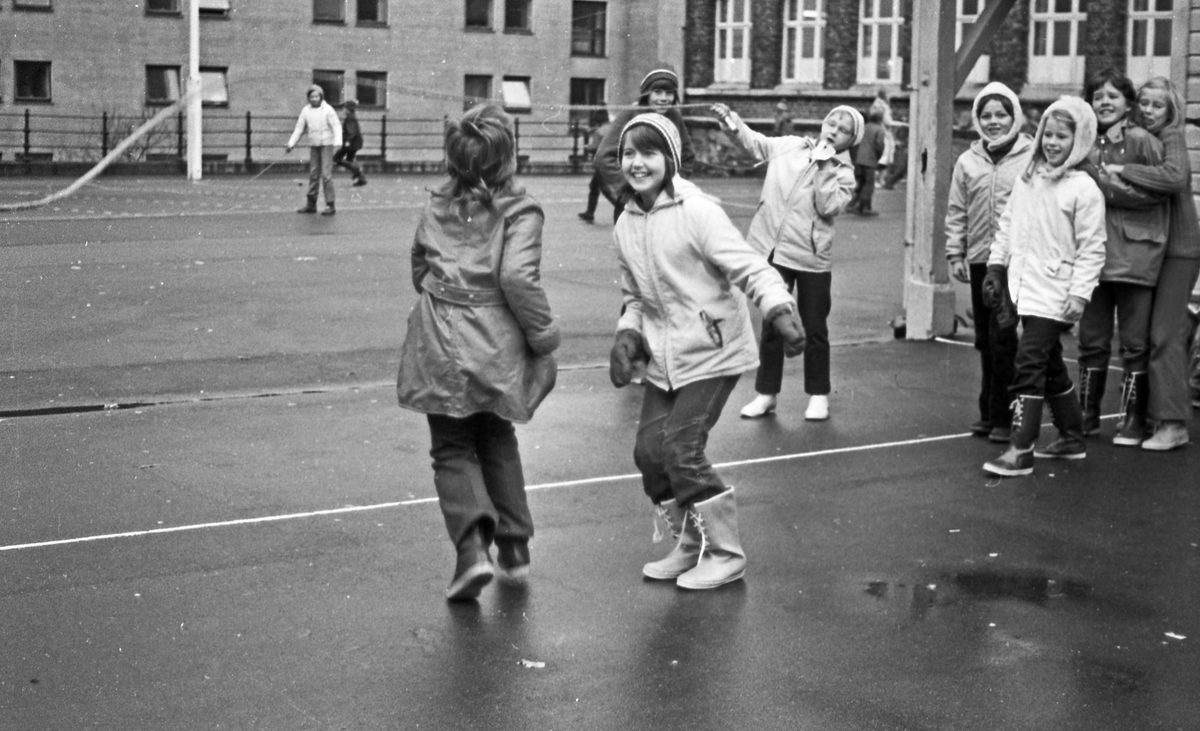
<point>979,190</point>
<point>324,129</point>
<point>1050,249</point>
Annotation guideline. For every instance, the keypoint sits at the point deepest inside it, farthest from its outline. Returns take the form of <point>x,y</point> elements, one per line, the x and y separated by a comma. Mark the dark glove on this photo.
<point>788,325</point>
<point>994,286</point>
<point>627,349</point>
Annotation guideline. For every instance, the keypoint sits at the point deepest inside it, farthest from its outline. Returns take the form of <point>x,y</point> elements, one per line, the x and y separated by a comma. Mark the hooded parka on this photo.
<point>684,268</point>
<point>480,336</point>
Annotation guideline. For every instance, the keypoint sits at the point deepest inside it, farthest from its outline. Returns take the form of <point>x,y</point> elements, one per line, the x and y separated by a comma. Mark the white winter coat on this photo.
<point>684,268</point>
<point>321,123</point>
<point>979,190</point>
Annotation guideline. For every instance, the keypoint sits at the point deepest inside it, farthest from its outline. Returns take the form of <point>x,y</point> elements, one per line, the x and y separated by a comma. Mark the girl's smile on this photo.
<point>994,120</point>
<point>1109,104</point>
<point>660,99</point>
<point>1057,141</point>
<point>645,172</point>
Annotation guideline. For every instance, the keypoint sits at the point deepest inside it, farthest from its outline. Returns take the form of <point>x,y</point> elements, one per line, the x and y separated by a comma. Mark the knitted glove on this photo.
<point>787,323</point>
<point>627,349</point>
<point>994,286</point>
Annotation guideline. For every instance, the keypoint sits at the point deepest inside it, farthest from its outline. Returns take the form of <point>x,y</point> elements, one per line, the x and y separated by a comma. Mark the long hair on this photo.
<point>645,138</point>
<point>1175,105</point>
<point>481,152</point>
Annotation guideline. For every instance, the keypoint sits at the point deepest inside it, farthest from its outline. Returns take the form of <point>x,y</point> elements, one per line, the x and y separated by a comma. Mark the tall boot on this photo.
<point>1067,416</point>
<point>721,556</point>
<point>473,569</point>
<point>1135,398</point>
<point>686,553</point>
<point>1091,393</point>
<point>1026,424</point>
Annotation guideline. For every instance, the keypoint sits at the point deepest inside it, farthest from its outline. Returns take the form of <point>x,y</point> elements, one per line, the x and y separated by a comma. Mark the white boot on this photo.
<point>763,404</point>
<point>686,553</point>
<point>721,556</point>
<point>818,408</point>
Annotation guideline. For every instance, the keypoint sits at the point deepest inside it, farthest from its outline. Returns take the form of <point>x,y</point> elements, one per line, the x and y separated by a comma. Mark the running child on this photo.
<point>1050,248</point>
<point>476,357</point>
<point>684,268</point>
<point>808,183</point>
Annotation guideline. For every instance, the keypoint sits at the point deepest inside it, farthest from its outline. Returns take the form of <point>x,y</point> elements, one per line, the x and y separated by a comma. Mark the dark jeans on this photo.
<point>864,178</point>
<point>344,157</point>
<point>597,188</point>
<point>320,174</point>
<point>1132,304</point>
<point>997,348</point>
<point>671,438</point>
<point>1040,367</point>
<point>1169,398</point>
<point>813,300</point>
<point>478,476</point>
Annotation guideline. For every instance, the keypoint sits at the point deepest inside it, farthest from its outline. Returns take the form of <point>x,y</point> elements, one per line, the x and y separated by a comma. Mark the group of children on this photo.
<point>1028,225</point>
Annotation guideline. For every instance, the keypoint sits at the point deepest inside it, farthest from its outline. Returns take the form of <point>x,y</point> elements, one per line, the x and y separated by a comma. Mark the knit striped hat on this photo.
<point>659,77</point>
<point>856,119</point>
<point>660,124</point>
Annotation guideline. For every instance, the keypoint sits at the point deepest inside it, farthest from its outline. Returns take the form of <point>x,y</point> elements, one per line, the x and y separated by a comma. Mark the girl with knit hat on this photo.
<point>1048,251</point>
<point>684,268</point>
<point>809,182</point>
<point>979,188</point>
<point>658,92</point>
<point>324,130</point>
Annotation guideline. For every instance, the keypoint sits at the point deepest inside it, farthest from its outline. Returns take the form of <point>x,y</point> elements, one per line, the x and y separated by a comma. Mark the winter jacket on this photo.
<point>352,133</point>
<point>1051,235</point>
<point>979,190</point>
<point>868,152</point>
<point>322,125</point>
<point>608,155</point>
<point>799,199</point>
<point>1137,219</point>
<point>1173,177</point>
<point>684,268</point>
<point>480,336</point>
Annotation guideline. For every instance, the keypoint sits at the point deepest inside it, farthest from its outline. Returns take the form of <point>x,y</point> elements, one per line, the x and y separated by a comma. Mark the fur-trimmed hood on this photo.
<point>1085,136</point>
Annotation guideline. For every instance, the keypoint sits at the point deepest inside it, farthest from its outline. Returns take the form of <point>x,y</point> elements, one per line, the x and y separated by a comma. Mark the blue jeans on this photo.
<point>320,174</point>
<point>478,476</point>
<point>1040,367</point>
<point>671,438</point>
<point>1132,304</point>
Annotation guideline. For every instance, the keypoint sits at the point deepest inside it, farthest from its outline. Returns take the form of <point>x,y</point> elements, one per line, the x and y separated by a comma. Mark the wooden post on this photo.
<point>928,294</point>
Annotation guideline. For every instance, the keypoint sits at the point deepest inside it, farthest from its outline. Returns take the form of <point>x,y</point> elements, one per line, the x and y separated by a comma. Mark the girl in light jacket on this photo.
<point>979,189</point>
<point>1136,226</point>
<point>1050,248</point>
<point>320,122</point>
<point>684,267</point>
<point>808,183</point>
<point>1161,111</point>
<point>477,353</point>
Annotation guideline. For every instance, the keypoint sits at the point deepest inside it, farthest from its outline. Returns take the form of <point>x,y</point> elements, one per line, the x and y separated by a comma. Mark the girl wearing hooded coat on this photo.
<point>1050,249</point>
<point>684,268</point>
<point>476,356</point>
<point>320,121</point>
<point>808,183</point>
<point>979,189</point>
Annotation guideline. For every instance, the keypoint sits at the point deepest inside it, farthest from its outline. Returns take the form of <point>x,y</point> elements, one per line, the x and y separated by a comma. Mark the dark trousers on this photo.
<point>597,188</point>
<point>1040,367</point>
<point>478,476</point>
<point>1132,304</point>
<point>320,174</point>
<point>997,348</point>
<point>1169,398</point>
<point>864,178</point>
<point>814,301</point>
<point>344,157</point>
<point>672,436</point>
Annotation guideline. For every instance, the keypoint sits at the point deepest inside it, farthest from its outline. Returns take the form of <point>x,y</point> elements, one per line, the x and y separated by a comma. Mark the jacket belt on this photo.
<point>462,295</point>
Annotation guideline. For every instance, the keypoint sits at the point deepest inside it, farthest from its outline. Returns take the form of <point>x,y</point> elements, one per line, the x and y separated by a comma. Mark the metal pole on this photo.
<point>248,128</point>
<point>179,136</point>
<point>383,139</point>
<point>517,141</point>
<point>194,147</point>
<point>27,131</point>
<point>103,134</point>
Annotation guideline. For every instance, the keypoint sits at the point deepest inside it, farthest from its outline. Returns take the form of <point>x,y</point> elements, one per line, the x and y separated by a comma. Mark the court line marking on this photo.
<point>430,500</point>
<point>948,341</point>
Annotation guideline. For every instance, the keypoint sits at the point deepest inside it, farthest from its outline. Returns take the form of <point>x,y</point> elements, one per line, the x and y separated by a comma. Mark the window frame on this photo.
<point>515,108</point>
<point>330,20</point>
<point>798,69</point>
<point>224,73</point>
<point>178,8</point>
<point>382,89</point>
<point>591,33</point>
<point>382,9</point>
<point>1049,69</point>
<point>34,6</point>
<point>1147,65</point>
<point>486,25</point>
<point>222,13</point>
<point>981,72</point>
<point>729,68</point>
<point>49,82</point>
<point>581,97</point>
<point>333,100</point>
<point>168,100</point>
<point>869,62</point>
<point>470,98</point>
<point>526,9</point>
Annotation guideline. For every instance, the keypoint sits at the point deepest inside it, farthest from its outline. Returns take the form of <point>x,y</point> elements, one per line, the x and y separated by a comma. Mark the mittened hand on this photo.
<point>626,350</point>
<point>993,286</point>
<point>792,331</point>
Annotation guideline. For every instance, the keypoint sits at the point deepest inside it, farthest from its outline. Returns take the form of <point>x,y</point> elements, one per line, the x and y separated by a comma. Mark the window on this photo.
<point>516,15</point>
<point>31,81</point>
<point>479,13</point>
<point>514,90</point>
<point>329,11</point>
<point>879,40</point>
<point>167,7</point>
<point>31,5</point>
<point>968,13</point>
<point>733,41</point>
<point>370,89</point>
<point>162,84</point>
<point>589,28</point>
<point>332,83</point>
<point>803,41</point>
<point>214,8</point>
<point>372,12</point>
<point>476,90</point>
<point>1149,34</point>
<point>1055,27</point>
<point>214,86</point>
<point>586,93</point>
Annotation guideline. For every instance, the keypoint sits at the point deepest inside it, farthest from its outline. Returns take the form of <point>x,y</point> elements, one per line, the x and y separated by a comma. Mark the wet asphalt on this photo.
<point>236,529</point>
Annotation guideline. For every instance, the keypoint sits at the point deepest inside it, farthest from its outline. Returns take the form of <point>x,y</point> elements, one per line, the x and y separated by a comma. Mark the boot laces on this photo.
<point>698,521</point>
<point>1128,394</point>
<point>661,514</point>
<point>1018,414</point>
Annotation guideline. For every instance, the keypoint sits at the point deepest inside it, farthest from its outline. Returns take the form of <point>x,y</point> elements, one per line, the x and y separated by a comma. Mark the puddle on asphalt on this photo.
<point>975,586</point>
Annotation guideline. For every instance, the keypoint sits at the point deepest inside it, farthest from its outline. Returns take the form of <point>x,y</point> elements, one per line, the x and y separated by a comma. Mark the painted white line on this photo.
<point>948,341</point>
